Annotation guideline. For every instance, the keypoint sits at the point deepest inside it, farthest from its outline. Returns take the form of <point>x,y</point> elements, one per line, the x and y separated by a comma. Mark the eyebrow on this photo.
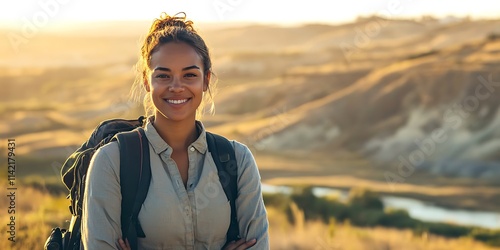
<point>183,69</point>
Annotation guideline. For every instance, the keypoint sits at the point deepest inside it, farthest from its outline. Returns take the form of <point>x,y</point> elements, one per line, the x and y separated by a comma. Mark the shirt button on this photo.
<point>192,149</point>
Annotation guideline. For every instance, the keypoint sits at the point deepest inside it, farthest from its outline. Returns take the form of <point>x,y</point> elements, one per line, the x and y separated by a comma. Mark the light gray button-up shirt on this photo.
<point>172,216</point>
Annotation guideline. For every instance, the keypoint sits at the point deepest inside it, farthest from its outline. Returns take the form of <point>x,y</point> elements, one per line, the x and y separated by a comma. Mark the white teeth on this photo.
<point>177,101</point>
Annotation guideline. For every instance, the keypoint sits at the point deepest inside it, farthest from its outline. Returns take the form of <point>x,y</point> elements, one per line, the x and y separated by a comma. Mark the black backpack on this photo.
<point>135,177</point>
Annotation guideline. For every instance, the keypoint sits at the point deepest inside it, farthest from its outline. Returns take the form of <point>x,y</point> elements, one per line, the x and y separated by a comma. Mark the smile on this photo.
<point>181,101</point>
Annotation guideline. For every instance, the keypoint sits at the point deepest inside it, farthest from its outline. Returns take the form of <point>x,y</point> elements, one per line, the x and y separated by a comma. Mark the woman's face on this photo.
<point>176,81</point>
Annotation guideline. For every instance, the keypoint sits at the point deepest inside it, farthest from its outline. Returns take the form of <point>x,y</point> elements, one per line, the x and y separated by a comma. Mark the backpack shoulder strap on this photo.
<point>135,177</point>
<point>225,159</point>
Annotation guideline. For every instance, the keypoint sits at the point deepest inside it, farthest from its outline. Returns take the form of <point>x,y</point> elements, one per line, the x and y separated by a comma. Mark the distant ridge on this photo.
<point>309,88</point>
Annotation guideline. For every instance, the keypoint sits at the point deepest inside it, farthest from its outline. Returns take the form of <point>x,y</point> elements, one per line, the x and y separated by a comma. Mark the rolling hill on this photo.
<point>423,93</point>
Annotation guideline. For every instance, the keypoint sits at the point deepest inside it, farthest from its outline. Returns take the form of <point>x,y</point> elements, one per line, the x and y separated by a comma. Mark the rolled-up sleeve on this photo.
<point>101,225</point>
<point>252,215</point>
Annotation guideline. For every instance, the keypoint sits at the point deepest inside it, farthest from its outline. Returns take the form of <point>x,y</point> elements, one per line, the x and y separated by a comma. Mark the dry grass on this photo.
<point>37,212</point>
<point>317,235</point>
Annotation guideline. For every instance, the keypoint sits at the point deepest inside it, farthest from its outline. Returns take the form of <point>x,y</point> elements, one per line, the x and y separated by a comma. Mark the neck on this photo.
<point>178,135</point>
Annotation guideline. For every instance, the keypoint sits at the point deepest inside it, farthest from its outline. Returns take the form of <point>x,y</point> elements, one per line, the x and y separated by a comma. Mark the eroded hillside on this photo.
<point>426,91</point>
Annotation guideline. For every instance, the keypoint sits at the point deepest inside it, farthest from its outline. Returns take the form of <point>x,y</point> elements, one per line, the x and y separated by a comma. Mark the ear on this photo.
<point>146,85</point>
<point>206,81</point>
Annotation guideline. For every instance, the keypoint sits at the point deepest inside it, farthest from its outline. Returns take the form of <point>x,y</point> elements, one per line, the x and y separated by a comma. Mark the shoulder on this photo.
<point>111,150</point>
<point>245,161</point>
<point>244,158</point>
<point>240,148</point>
<point>106,158</point>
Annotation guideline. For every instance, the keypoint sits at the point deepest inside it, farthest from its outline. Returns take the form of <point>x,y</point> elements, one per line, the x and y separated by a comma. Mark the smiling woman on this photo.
<point>185,50</point>
<point>187,205</point>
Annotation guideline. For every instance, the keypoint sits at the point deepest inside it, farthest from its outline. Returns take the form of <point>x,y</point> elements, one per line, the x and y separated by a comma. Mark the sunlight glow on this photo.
<point>260,11</point>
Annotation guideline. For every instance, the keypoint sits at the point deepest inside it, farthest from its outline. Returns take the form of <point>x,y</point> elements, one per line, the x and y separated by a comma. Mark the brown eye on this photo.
<point>162,76</point>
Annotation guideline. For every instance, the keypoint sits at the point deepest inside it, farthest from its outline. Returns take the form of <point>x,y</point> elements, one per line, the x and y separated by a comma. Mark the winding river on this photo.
<point>417,209</point>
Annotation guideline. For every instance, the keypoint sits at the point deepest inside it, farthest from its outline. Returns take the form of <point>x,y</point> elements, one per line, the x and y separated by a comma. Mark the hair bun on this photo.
<point>165,22</point>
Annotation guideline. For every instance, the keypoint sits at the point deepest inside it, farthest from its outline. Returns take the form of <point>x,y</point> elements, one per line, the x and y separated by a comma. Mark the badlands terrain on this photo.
<point>399,106</point>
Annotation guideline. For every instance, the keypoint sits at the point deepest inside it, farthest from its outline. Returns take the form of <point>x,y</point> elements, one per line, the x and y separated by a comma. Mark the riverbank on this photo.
<point>346,173</point>
<point>415,208</point>
<point>367,209</point>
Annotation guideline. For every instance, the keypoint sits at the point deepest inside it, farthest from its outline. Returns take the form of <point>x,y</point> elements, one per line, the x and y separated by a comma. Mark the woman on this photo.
<point>175,72</point>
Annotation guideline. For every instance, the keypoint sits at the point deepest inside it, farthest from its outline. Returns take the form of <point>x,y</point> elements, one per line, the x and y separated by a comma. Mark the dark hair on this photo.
<point>164,30</point>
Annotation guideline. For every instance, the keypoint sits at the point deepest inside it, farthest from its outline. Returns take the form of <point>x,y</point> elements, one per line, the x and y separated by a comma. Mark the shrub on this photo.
<point>491,237</point>
<point>277,200</point>
<point>447,230</point>
<point>365,217</point>
<point>365,199</point>
<point>398,219</point>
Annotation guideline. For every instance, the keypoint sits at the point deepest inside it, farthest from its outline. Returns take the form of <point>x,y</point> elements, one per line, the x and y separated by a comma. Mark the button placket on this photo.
<point>189,225</point>
<point>191,168</point>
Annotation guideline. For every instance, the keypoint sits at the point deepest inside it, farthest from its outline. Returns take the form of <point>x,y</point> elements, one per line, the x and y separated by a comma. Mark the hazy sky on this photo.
<point>60,11</point>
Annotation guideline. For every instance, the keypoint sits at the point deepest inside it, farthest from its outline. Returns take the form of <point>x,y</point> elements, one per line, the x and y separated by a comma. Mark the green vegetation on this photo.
<point>364,208</point>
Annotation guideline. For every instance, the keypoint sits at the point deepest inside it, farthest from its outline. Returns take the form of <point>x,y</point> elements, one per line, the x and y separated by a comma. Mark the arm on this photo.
<point>252,215</point>
<point>101,225</point>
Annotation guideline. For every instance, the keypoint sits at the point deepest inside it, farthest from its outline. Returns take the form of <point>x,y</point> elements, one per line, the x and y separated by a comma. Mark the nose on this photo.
<point>176,85</point>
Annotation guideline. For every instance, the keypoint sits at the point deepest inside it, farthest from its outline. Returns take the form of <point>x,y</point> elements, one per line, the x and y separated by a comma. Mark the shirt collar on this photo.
<point>159,145</point>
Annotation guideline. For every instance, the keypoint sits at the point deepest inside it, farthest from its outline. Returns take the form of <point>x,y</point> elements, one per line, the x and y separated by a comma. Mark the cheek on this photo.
<point>200,90</point>
<point>155,90</point>
<point>156,85</point>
